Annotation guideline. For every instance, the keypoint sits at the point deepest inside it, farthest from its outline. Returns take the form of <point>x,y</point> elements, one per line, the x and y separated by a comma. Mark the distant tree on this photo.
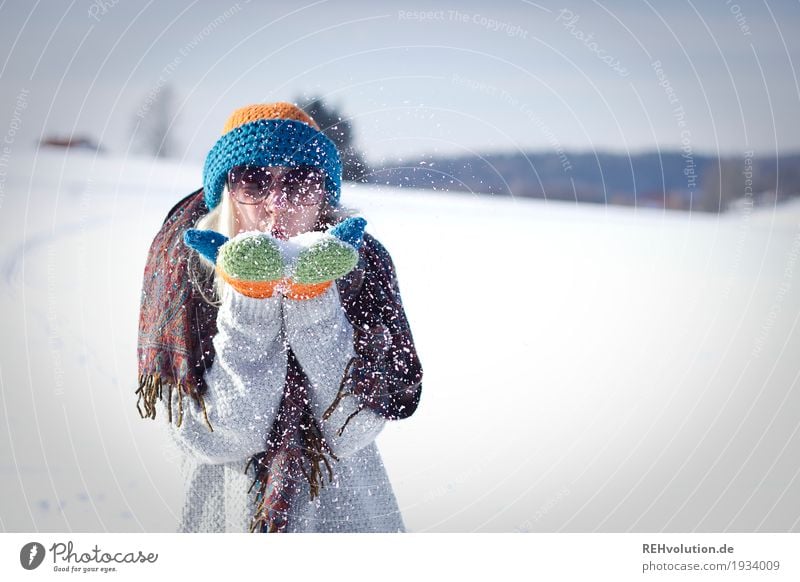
<point>340,130</point>
<point>154,123</point>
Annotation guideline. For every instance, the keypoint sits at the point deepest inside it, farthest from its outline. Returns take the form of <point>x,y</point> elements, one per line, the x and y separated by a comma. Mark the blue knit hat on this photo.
<point>271,134</point>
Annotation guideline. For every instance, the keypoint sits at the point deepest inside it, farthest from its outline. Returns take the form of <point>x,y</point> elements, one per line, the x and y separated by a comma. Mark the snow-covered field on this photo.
<point>587,368</point>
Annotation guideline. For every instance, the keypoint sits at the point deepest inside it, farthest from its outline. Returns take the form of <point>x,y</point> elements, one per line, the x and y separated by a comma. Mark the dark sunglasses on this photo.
<point>303,185</point>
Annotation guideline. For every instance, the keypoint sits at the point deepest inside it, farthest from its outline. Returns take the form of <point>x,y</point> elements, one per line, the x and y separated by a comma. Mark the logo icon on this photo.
<point>31,555</point>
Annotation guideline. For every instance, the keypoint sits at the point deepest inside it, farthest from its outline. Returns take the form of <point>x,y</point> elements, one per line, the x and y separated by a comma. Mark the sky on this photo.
<point>448,78</point>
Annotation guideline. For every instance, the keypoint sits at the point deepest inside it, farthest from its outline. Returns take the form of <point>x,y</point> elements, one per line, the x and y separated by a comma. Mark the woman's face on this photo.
<point>277,199</point>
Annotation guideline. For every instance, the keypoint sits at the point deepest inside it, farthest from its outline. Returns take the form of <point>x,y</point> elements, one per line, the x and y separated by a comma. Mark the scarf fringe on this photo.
<point>269,520</point>
<point>151,389</point>
<point>341,393</point>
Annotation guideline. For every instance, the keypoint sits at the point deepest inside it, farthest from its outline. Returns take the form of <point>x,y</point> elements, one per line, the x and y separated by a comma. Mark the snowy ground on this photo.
<point>587,368</point>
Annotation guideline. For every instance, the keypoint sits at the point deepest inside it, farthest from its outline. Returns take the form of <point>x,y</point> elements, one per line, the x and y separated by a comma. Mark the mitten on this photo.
<point>316,259</point>
<point>250,262</point>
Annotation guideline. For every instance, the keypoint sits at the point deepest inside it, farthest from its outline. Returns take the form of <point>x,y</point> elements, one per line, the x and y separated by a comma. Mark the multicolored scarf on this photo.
<point>177,323</point>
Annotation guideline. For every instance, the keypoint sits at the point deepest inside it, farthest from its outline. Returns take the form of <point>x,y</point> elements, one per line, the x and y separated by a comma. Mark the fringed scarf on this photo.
<point>177,323</point>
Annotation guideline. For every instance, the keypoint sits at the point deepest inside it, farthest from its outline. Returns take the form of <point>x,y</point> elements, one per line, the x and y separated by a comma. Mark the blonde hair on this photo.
<point>221,219</point>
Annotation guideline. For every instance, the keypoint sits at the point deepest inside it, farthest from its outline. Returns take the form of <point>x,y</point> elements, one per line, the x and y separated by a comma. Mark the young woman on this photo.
<point>268,306</point>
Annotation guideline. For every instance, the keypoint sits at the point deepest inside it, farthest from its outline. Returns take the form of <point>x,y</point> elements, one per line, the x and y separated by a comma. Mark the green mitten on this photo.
<point>250,262</point>
<point>316,259</point>
<point>326,259</point>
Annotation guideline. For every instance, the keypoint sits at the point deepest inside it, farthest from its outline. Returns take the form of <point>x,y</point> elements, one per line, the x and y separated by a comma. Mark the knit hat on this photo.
<point>271,134</point>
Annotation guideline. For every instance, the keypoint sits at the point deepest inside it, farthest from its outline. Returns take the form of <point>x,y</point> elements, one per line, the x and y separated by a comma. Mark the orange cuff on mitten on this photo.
<point>256,289</point>
<point>294,290</point>
<point>265,289</point>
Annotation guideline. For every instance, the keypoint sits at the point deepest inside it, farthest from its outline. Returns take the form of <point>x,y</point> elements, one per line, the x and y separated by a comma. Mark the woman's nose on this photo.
<point>276,197</point>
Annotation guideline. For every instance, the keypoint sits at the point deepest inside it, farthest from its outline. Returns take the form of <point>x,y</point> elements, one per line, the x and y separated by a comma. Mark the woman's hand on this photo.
<point>250,262</point>
<point>316,259</point>
<point>303,267</point>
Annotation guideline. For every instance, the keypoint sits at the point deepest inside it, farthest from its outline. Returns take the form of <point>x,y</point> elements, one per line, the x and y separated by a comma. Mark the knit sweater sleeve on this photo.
<point>245,382</point>
<point>321,338</point>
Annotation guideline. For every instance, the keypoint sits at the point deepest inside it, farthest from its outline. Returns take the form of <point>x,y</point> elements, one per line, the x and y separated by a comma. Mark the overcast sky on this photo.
<point>415,77</point>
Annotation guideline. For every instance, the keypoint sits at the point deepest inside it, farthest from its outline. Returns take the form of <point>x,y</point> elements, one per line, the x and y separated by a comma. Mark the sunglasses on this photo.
<point>303,185</point>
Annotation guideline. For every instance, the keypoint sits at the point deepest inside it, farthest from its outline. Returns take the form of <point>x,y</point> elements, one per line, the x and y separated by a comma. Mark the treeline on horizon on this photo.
<point>657,179</point>
<point>677,180</point>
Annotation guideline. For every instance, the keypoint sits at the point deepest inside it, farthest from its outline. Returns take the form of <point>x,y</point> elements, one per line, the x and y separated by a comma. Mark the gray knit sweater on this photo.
<point>245,387</point>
